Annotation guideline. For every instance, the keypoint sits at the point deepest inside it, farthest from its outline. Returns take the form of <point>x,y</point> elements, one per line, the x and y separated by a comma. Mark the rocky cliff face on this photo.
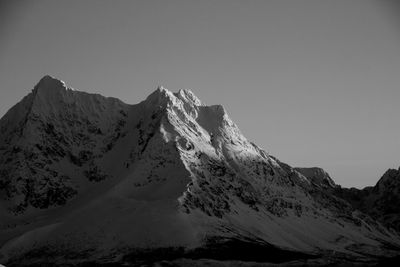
<point>317,176</point>
<point>89,178</point>
<point>380,201</point>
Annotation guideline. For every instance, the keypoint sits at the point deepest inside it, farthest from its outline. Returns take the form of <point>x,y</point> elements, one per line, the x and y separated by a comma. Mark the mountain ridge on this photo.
<point>171,172</point>
<point>379,201</point>
<point>317,175</point>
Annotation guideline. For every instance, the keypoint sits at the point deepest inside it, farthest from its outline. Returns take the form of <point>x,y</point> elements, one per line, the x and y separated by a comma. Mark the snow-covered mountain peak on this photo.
<point>48,84</point>
<point>160,97</point>
<point>188,96</point>
<point>91,173</point>
<point>49,92</point>
<point>182,103</point>
<point>48,95</point>
<point>164,97</point>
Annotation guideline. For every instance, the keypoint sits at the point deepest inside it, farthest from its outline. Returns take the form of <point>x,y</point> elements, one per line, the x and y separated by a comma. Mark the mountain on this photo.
<point>90,179</point>
<point>381,201</point>
<point>317,176</point>
<point>46,136</point>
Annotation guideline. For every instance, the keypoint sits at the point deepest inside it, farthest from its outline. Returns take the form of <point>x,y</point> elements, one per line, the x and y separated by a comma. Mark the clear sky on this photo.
<point>315,83</point>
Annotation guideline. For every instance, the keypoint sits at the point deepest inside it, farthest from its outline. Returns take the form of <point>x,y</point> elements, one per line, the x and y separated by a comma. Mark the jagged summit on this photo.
<point>51,90</point>
<point>162,96</point>
<point>188,96</point>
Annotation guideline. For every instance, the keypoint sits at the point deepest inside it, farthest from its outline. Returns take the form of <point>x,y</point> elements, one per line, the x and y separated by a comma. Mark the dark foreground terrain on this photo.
<point>216,253</point>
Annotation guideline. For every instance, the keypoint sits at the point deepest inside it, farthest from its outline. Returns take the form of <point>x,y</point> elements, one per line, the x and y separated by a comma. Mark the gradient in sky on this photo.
<point>315,83</point>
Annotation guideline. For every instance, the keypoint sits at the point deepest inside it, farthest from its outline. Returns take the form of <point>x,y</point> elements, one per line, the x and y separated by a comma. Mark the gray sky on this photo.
<point>315,83</point>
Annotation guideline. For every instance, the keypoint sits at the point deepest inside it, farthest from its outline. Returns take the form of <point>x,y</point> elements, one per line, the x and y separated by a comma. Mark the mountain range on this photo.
<point>87,179</point>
